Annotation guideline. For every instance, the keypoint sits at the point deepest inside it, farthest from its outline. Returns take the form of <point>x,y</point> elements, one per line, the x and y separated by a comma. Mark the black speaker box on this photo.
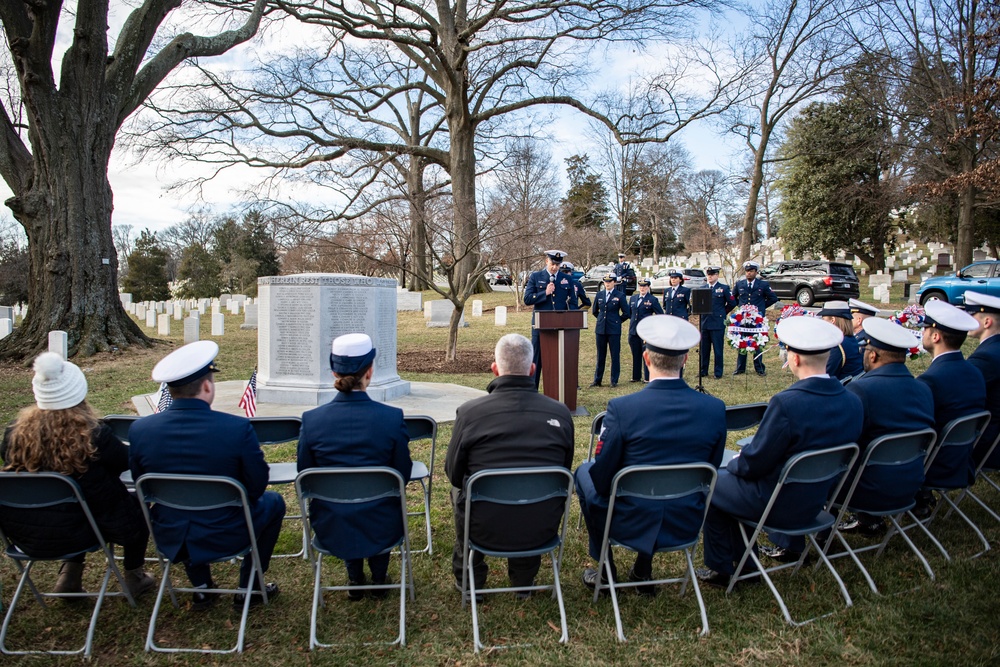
<point>701,301</point>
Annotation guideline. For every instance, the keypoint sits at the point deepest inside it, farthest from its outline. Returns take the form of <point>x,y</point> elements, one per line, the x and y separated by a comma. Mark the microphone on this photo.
<point>552,296</point>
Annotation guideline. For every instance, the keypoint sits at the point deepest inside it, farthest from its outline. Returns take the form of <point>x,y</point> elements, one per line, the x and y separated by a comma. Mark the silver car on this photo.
<point>692,278</point>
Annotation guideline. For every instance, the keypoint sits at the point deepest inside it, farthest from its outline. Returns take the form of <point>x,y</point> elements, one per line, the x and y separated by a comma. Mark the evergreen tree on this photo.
<point>199,271</point>
<point>586,202</point>
<point>147,275</point>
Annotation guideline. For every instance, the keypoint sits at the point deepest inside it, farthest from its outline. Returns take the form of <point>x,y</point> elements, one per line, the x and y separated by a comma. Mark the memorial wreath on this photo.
<point>747,330</point>
<point>911,318</point>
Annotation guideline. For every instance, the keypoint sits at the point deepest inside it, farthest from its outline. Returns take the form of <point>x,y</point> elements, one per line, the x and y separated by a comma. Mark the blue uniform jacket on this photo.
<point>959,390</point>
<point>189,438</point>
<point>722,304</point>
<point>987,359</point>
<point>665,423</point>
<point>760,296</point>
<point>579,297</point>
<point>353,431</point>
<point>561,299</point>
<point>641,307</point>
<point>894,402</point>
<point>845,359</point>
<point>680,305</point>
<point>610,312</point>
<point>814,413</point>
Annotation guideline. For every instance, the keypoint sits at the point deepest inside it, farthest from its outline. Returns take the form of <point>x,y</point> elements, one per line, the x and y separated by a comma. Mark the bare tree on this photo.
<point>661,176</point>
<point>794,51</point>
<point>56,159</point>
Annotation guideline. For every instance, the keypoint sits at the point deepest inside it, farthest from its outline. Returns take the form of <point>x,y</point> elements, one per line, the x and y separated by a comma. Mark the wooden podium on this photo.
<point>559,337</point>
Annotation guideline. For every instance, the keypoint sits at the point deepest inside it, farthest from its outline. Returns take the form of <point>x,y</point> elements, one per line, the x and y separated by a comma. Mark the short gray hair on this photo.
<point>513,355</point>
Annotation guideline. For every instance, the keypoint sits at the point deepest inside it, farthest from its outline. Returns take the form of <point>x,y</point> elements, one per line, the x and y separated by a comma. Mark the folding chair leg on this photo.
<point>923,527</point>
<point>564,638</point>
<point>833,571</point>
<point>697,593</point>
<point>854,556</point>
<point>970,522</point>
<point>317,600</point>
<point>614,596</point>
<point>977,499</point>
<point>913,547</point>
<point>472,599</point>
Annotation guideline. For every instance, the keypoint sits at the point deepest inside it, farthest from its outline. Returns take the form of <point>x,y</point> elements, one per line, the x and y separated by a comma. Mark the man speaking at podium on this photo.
<point>547,289</point>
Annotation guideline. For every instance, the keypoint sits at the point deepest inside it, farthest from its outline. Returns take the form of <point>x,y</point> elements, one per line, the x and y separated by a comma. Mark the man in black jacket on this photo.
<point>513,427</point>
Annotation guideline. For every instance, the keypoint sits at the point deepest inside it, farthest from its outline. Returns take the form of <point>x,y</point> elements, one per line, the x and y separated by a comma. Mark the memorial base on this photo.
<point>315,396</point>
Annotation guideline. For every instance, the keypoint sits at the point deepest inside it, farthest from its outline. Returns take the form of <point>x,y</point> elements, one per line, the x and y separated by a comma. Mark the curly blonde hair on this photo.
<point>52,440</point>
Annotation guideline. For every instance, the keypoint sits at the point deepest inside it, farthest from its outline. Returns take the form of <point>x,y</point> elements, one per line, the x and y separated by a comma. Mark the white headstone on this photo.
<point>500,316</point>
<point>409,300</point>
<point>234,307</point>
<point>6,327</point>
<point>151,318</point>
<point>126,298</point>
<point>178,311</point>
<point>59,343</point>
<point>879,279</point>
<point>7,313</point>
<point>218,324</point>
<point>899,276</point>
<point>427,310</point>
<point>224,299</point>
<point>163,324</point>
<point>477,308</point>
<point>249,316</point>
<point>203,305</point>
<point>140,311</point>
<point>298,318</point>
<point>192,327</point>
<point>884,298</point>
<point>441,311</point>
<point>130,309</point>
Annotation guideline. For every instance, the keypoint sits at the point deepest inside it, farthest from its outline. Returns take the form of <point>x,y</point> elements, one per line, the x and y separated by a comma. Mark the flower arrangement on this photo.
<point>747,330</point>
<point>911,318</point>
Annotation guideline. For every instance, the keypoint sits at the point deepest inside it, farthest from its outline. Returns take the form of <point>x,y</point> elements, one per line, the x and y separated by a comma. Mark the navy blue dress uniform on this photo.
<point>894,402</point>
<point>845,359</point>
<point>813,413</point>
<point>958,389</point>
<point>536,294</point>
<point>641,306</point>
<point>611,309</point>
<point>189,438</point>
<point>756,292</point>
<point>623,271</point>
<point>986,358</point>
<point>353,431</point>
<point>713,325</point>
<point>860,311</point>
<point>634,433</point>
<point>677,300</point>
<point>579,298</point>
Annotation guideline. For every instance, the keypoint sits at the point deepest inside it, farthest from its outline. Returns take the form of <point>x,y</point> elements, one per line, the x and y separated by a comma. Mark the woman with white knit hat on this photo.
<point>61,433</point>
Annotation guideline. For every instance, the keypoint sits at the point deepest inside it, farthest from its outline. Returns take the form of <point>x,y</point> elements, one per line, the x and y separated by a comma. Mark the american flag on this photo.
<point>165,398</point>
<point>248,401</point>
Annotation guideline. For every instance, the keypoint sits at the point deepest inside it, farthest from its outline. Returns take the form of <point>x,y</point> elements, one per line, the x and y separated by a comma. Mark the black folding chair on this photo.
<point>596,424</point>
<point>743,417</point>
<point>421,427</point>
<point>275,431</point>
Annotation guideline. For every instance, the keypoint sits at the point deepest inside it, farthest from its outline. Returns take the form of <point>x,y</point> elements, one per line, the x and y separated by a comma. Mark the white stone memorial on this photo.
<point>249,316</point>
<point>126,298</point>
<point>899,276</point>
<point>500,316</point>
<point>151,318</point>
<point>298,318</point>
<point>140,311</point>
<point>163,324</point>
<point>218,324</point>
<point>178,311</point>
<point>216,306</point>
<point>6,327</point>
<point>59,343</point>
<point>477,308</point>
<point>409,300</point>
<point>877,279</point>
<point>192,329</point>
<point>441,311</point>
<point>427,309</point>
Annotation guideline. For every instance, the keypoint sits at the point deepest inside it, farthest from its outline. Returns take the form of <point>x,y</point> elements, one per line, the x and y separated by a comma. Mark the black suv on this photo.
<point>809,281</point>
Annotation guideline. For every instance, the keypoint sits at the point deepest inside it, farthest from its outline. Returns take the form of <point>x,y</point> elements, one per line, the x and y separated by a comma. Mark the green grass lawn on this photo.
<point>915,622</point>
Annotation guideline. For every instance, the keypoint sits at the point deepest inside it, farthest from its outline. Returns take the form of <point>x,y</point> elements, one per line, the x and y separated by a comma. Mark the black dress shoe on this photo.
<point>712,578</point>
<point>645,591</point>
<point>380,594</point>
<point>738,372</point>
<point>202,601</point>
<point>256,598</point>
<point>614,384</point>
<point>782,555</point>
<point>762,373</point>
<point>594,384</point>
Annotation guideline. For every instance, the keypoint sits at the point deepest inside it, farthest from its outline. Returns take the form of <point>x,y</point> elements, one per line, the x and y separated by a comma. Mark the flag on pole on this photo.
<point>165,399</point>
<point>248,401</point>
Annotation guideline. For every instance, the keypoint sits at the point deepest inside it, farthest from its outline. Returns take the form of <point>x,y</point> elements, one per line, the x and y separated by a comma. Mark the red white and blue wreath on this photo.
<point>911,318</point>
<point>747,330</point>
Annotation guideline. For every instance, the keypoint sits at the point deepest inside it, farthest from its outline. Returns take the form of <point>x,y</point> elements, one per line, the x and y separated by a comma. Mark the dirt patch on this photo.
<point>469,362</point>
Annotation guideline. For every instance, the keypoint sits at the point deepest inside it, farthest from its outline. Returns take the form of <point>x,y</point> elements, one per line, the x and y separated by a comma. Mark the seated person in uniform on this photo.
<point>845,359</point>
<point>816,412</point>
<point>189,438</point>
<point>513,427</point>
<point>61,433</point>
<point>354,431</point>
<point>665,423</point>
<point>986,357</point>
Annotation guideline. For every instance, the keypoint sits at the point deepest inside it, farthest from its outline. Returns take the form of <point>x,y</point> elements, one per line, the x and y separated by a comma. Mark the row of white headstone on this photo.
<point>438,313</point>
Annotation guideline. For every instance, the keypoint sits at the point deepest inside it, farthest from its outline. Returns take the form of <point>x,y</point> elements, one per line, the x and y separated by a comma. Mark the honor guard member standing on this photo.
<point>547,289</point>
<point>894,402</point>
<point>815,412</point>
<point>677,298</point>
<point>189,438</point>
<point>986,357</point>
<point>845,359</point>
<point>633,434</point>
<point>610,309</point>
<point>641,305</point>
<point>958,389</point>
<point>860,311</point>
<point>756,292</point>
<point>353,431</point>
<point>579,298</point>
<point>713,325</point>
<point>623,271</point>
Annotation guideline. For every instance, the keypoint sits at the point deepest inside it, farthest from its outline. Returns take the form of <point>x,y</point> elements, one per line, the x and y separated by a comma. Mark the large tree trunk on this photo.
<point>966,227</point>
<point>73,278</point>
<point>421,267</point>
<point>756,182</point>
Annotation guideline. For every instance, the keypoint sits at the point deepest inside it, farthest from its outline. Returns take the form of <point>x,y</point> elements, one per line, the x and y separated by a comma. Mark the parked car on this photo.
<point>812,281</point>
<point>499,276</point>
<point>693,278</point>
<point>981,277</point>
<point>593,279</point>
